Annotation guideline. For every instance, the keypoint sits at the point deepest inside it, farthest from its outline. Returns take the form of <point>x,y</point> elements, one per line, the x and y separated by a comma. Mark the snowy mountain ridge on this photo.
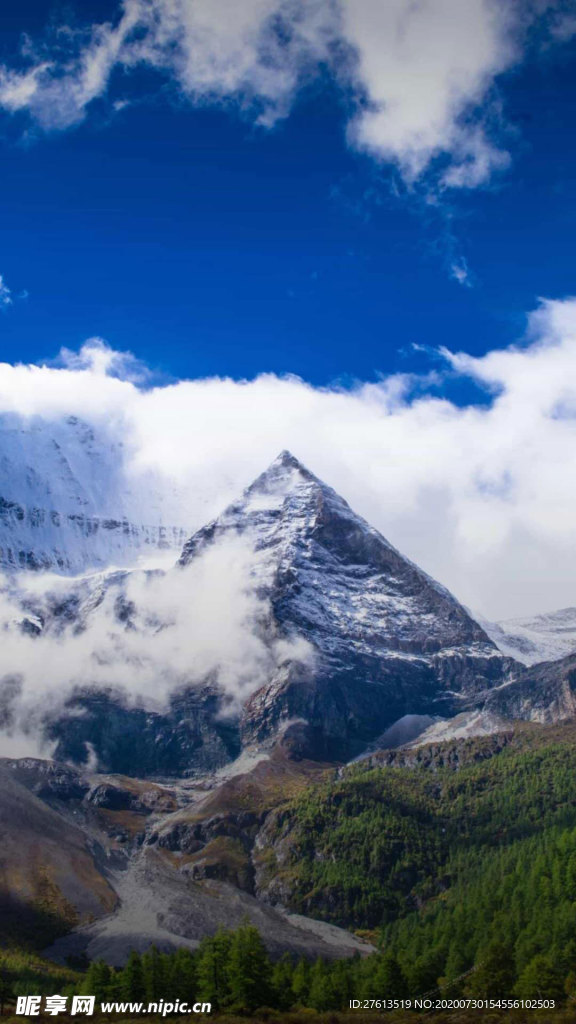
<point>67,503</point>
<point>546,637</point>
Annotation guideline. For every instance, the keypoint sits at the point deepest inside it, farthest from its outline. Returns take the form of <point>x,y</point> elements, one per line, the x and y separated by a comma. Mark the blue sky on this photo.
<point>363,208</point>
<point>208,244</point>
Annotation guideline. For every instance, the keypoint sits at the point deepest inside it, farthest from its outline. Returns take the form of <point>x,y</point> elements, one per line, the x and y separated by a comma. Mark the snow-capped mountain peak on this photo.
<point>388,640</point>
<point>68,503</point>
<point>284,506</point>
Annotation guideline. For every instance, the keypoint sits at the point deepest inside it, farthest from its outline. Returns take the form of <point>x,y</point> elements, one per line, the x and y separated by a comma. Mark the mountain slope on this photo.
<point>396,832</point>
<point>387,639</point>
<point>464,852</point>
<point>75,859</point>
<point>67,503</point>
<point>49,877</point>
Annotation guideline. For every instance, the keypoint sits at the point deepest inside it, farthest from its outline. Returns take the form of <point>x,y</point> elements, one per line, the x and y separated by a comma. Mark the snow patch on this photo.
<point>463,726</point>
<point>547,637</point>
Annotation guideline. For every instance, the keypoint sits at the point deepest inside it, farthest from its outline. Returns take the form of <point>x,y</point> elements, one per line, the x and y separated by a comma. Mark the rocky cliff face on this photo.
<point>189,737</point>
<point>49,872</point>
<point>544,693</point>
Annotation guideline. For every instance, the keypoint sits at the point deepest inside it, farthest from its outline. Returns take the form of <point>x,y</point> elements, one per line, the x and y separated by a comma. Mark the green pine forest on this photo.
<point>458,862</point>
<point>462,857</point>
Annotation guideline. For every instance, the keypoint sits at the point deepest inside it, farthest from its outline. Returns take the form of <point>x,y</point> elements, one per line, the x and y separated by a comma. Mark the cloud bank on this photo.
<point>420,75</point>
<point>481,496</point>
<point>142,635</point>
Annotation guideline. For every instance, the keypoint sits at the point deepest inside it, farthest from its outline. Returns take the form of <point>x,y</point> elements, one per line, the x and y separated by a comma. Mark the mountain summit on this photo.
<point>387,639</point>
<point>284,495</point>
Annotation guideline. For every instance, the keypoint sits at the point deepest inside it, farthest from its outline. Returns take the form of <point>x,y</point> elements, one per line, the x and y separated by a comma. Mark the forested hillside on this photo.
<point>456,856</point>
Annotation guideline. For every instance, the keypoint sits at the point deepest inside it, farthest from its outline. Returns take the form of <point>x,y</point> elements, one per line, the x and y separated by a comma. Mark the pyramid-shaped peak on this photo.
<point>268,495</point>
<point>285,471</point>
<point>285,460</point>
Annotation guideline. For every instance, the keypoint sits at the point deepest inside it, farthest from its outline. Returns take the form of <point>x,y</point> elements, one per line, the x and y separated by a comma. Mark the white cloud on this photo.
<point>5,294</point>
<point>96,356</point>
<point>18,88</point>
<point>423,70</point>
<point>460,271</point>
<point>255,53</point>
<point>204,622</point>
<point>482,497</point>
<point>257,50</point>
<point>18,743</point>
<point>425,66</point>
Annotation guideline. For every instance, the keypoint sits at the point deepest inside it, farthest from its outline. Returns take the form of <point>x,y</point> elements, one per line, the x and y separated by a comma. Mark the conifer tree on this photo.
<point>212,969</point>
<point>425,972</point>
<point>282,979</point>
<point>301,982</point>
<point>154,976</point>
<point>495,972</point>
<point>541,978</point>
<point>249,970</point>
<point>321,995</point>
<point>181,975</point>
<point>132,979</point>
<point>389,981</point>
<point>97,980</point>
<point>342,984</point>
